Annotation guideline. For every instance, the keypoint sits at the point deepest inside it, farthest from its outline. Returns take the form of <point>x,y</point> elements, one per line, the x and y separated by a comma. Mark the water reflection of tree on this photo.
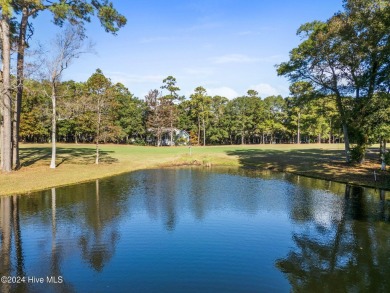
<point>10,230</point>
<point>98,241</point>
<point>160,191</point>
<point>5,229</point>
<point>56,255</point>
<point>12,258</point>
<point>350,256</point>
<point>95,209</point>
<point>59,211</point>
<point>199,191</point>
<point>205,190</point>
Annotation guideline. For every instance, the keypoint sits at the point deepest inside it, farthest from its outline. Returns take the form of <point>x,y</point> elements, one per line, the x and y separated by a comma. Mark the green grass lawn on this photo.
<point>75,163</point>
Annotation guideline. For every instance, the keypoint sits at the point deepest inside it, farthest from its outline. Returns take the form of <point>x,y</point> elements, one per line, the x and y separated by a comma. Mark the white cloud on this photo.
<point>133,78</point>
<point>265,90</point>
<point>247,33</point>
<point>154,39</point>
<point>274,58</point>
<point>201,71</point>
<point>234,58</point>
<point>258,31</point>
<point>201,26</point>
<point>240,58</point>
<point>222,91</point>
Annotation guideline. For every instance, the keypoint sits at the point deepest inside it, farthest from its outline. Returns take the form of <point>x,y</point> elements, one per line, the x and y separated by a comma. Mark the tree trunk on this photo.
<point>299,129</point>
<point>54,127</point>
<point>345,128</point>
<point>346,143</point>
<point>382,154</point>
<point>171,118</point>
<point>19,84</point>
<point>204,133</point>
<point>6,96</point>
<point>158,136</point>
<point>97,151</point>
<point>98,135</point>
<point>198,130</point>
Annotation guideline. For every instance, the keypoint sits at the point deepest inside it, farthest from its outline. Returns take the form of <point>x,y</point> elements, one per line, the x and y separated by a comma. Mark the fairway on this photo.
<point>75,163</point>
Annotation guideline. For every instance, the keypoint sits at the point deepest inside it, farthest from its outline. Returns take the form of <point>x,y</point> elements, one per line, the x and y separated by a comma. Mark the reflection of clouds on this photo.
<point>327,209</point>
<point>343,239</point>
<point>323,218</point>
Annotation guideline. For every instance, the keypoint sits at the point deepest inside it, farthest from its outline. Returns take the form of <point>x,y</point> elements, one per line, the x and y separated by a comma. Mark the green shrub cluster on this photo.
<point>358,153</point>
<point>387,158</point>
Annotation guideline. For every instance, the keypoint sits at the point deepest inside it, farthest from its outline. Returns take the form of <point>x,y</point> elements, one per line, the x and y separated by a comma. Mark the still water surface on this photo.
<point>197,230</point>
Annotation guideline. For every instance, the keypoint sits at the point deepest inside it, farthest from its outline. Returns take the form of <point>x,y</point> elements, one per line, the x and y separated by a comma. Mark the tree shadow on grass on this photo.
<point>82,156</point>
<point>280,160</point>
<point>320,163</point>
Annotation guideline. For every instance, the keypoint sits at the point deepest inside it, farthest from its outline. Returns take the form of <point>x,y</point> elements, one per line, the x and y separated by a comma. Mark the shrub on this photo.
<point>139,142</point>
<point>387,158</point>
<point>358,153</point>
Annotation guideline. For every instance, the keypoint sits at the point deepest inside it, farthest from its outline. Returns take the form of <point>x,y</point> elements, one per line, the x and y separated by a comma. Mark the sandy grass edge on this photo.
<point>181,160</point>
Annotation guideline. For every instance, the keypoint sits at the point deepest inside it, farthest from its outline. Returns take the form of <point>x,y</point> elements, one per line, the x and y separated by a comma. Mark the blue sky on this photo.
<point>226,46</point>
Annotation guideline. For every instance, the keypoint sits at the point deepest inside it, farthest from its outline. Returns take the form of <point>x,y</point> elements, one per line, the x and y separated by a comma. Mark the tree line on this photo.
<point>99,110</point>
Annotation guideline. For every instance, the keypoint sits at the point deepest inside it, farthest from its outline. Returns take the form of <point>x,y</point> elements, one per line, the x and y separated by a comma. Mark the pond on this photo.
<point>197,230</point>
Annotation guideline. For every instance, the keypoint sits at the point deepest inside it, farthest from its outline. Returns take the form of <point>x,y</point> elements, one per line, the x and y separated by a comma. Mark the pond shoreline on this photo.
<point>197,164</point>
<point>313,161</point>
<point>374,185</point>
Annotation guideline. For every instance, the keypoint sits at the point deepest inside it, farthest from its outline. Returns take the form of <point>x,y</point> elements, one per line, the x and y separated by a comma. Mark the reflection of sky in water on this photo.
<point>328,209</point>
<point>198,230</point>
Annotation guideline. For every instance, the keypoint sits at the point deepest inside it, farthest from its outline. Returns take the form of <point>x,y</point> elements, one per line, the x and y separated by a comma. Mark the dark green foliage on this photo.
<point>129,114</point>
<point>215,120</point>
<point>358,153</point>
<point>138,141</point>
<point>387,158</point>
<point>80,11</point>
<point>346,57</point>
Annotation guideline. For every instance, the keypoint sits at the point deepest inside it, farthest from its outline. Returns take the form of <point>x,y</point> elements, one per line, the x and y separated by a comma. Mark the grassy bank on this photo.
<point>75,163</point>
